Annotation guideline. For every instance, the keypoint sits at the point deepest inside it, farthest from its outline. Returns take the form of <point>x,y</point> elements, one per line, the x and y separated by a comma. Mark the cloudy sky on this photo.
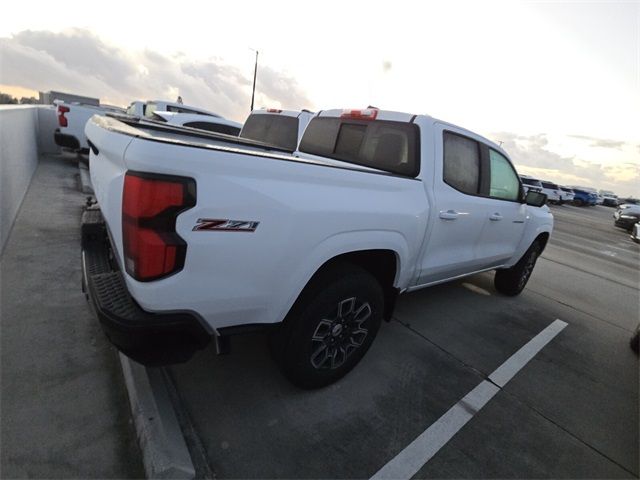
<point>557,82</point>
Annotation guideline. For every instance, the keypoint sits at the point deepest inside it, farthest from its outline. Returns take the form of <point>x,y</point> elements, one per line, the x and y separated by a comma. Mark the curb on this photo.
<point>164,451</point>
<point>85,179</point>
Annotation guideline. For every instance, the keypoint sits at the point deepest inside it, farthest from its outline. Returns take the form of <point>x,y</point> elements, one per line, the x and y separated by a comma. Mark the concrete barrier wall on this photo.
<point>47,124</point>
<point>19,134</point>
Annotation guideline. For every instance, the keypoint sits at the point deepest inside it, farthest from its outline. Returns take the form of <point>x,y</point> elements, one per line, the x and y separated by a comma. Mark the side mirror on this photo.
<point>535,199</point>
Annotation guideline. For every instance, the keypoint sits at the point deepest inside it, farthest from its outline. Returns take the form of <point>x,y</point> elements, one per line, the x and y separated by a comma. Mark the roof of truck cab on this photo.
<point>285,113</point>
<point>394,116</point>
<point>186,107</point>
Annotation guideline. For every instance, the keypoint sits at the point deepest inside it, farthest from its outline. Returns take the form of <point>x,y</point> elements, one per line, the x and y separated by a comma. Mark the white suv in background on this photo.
<point>552,190</point>
<point>566,194</point>
<point>530,183</point>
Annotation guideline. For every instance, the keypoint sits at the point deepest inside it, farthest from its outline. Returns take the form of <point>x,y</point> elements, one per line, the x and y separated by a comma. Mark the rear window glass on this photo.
<point>384,145</point>
<point>278,130</point>
<point>214,127</point>
<point>150,109</point>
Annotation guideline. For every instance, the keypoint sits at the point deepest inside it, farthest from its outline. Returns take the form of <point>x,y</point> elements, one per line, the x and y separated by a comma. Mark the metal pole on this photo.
<point>255,73</point>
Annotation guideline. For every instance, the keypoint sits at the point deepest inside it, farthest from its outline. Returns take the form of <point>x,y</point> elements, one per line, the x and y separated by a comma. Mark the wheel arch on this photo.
<point>382,263</point>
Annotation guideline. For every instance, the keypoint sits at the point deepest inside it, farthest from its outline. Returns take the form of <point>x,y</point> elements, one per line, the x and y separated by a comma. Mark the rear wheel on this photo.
<point>330,328</point>
<point>634,342</point>
<point>511,281</point>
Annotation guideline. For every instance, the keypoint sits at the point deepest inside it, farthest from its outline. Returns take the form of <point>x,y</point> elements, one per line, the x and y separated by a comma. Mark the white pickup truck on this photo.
<point>194,238</point>
<point>282,128</point>
<point>141,108</point>
<point>72,118</point>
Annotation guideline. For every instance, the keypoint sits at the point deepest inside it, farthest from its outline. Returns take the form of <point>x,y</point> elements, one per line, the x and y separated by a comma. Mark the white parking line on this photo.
<point>410,460</point>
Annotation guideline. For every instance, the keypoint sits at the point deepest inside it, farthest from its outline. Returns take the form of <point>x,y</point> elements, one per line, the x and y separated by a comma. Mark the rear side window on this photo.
<point>504,183</point>
<point>462,163</point>
<point>278,130</point>
<point>550,185</point>
<point>384,145</point>
<point>214,127</point>
<point>149,109</point>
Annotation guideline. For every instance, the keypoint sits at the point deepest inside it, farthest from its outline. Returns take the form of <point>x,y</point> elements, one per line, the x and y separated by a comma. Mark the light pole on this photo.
<point>255,73</point>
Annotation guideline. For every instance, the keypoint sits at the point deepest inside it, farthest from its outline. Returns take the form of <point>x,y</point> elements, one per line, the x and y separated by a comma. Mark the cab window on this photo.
<point>462,163</point>
<point>504,181</point>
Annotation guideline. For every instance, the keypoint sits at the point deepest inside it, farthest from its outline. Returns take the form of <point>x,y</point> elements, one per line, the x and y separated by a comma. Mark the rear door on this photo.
<point>460,209</point>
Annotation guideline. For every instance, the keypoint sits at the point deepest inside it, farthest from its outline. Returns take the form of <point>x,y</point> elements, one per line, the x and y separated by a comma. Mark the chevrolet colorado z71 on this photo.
<point>201,236</point>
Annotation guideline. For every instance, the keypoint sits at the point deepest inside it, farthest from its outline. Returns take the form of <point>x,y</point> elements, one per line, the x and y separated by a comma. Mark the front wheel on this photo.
<point>511,281</point>
<point>330,328</point>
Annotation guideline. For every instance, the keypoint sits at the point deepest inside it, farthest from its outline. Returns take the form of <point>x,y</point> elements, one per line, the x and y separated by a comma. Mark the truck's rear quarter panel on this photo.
<point>308,214</point>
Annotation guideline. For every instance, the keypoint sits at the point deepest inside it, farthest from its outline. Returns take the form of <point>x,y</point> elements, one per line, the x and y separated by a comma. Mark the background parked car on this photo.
<point>609,199</point>
<point>552,190</point>
<point>566,194</point>
<point>635,233</point>
<point>72,118</point>
<point>530,183</point>
<point>627,216</point>
<point>583,196</point>
<point>281,128</point>
<point>203,122</point>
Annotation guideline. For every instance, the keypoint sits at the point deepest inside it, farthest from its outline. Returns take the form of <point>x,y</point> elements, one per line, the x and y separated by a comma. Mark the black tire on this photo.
<point>578,202</point>
<point>511,281</point>
<point>634,342</point>
<point>330,327</point>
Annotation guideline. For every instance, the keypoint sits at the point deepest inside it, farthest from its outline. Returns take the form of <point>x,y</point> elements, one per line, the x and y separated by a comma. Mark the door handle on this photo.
<point>495,217</point>
<point>448,215</point>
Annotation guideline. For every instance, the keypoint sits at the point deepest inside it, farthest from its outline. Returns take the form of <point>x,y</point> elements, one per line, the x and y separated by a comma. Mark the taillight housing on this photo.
<point>62,120</point>
<point>150,205</point>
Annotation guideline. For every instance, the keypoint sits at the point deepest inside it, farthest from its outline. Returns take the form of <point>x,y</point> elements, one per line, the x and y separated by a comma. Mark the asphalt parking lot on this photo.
<point>572,412</point>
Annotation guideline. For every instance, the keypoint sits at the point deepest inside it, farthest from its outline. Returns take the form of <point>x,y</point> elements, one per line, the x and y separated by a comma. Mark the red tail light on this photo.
<point>274,110</point>
<point>150,205</point>
<point>62,120</point>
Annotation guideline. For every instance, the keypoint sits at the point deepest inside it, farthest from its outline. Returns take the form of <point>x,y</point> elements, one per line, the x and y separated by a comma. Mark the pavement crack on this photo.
<point>444,350</point>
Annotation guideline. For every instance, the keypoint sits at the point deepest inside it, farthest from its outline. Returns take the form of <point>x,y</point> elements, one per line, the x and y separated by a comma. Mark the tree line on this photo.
<point>6,99</point>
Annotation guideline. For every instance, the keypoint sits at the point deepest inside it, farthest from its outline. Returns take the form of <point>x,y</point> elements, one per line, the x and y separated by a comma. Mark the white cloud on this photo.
<point>532,155</point>
<point>78,61</point>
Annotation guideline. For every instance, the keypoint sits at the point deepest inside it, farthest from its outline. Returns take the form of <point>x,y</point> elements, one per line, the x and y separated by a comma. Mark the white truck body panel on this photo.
<point>77,116</point>
<point>183,119</point>
<point>311,209</point>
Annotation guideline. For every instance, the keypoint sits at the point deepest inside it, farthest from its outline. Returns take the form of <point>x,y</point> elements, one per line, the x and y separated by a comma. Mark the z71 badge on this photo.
<point>206,224</point>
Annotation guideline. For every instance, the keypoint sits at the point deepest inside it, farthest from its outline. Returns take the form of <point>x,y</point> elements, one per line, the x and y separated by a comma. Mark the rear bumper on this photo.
<point>66,141</point>
<point>626,223</point>
<point>152,339</point>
